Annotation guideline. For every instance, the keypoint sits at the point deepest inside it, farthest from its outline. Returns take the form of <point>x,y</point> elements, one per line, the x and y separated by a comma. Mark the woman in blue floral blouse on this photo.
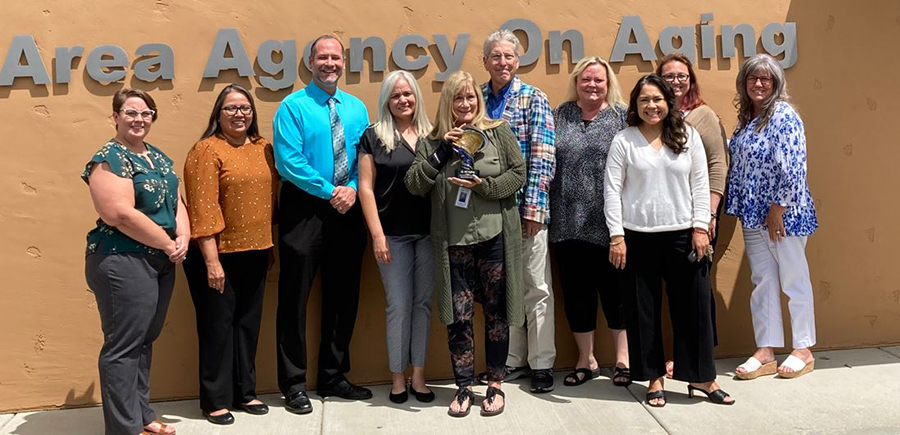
<point>143,231</point>
<point>768,191</point>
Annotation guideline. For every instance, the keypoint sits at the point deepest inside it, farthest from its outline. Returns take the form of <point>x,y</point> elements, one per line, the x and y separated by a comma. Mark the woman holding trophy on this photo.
<point>471,167</point>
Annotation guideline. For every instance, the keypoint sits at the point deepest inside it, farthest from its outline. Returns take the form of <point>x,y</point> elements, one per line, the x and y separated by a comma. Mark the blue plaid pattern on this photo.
<point>341,168</point>
<point>528,113</point>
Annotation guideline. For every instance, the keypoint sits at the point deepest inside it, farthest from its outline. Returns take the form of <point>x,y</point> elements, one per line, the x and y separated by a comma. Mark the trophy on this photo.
<point>471,141</point>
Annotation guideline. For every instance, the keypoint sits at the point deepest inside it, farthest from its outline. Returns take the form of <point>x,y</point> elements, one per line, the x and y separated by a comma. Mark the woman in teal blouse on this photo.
<point>143,231</point>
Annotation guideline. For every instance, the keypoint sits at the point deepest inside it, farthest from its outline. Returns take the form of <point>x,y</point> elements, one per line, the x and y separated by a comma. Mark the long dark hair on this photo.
<point>692,98</point>
<point>214,129</point>
<point>674,132</point>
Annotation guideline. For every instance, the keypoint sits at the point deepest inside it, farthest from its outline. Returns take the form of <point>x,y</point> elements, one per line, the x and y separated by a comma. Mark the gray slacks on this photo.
<point>408,283</point>
<point>133,292</point>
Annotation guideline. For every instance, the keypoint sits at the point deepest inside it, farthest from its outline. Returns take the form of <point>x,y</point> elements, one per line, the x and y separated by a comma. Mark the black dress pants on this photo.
<point>652,258</point>
<point>228,325</point>
<point>313,234</point>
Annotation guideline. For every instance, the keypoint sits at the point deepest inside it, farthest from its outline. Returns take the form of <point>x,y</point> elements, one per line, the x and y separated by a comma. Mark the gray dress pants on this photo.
<point>408,282</point>
<point>133,292</point>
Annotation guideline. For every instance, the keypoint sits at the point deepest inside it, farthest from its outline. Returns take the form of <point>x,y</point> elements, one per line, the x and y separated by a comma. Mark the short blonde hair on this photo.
<point>445,120</point>
<point>613,93</point>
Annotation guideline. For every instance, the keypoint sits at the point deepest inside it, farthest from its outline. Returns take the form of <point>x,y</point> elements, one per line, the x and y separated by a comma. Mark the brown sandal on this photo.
<point>163,429</point>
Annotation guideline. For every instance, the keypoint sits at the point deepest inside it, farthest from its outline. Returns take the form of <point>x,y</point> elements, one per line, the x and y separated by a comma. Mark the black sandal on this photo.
<point>588,374</point>
<point>461,395</point>
<point>658,394</point>
<point>620,373</point>
<point>489,398</point>
<point>718,396</point>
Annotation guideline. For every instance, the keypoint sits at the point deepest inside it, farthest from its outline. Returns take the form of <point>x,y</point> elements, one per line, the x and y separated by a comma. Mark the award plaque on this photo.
<point>471,141</point>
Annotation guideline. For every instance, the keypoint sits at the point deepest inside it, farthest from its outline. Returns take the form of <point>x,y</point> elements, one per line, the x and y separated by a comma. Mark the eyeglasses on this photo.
<point>134,114</point>
<point>672,78</point>
<point>766,81</point>
<point>233,110</point>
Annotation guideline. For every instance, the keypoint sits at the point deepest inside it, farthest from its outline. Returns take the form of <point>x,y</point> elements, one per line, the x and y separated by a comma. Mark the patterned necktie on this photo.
<point>341,168</point>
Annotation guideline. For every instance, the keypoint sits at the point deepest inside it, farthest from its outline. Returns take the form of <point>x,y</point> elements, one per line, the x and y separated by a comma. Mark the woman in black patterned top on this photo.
<point>586,123</point>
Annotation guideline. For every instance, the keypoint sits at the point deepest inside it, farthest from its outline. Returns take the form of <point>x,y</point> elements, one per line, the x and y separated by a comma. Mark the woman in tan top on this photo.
<point>230,180</point>
<point>677,70</point>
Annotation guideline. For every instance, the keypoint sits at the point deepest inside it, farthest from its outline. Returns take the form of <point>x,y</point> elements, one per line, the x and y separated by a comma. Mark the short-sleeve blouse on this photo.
<point>769,167</point>
<point>400,212</point>
<point>155,195</point>
<point>230,193</point>
<point>576,192</point>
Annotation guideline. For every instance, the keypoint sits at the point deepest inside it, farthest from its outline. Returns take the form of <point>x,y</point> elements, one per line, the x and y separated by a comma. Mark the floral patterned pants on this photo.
<point>477,273</point>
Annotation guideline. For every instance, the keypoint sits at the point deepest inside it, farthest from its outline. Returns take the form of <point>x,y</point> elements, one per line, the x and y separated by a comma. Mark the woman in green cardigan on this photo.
<point>476,233</point>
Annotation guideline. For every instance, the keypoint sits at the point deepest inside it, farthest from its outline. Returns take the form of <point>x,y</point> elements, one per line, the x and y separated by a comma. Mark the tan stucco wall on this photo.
<point>844,83</point>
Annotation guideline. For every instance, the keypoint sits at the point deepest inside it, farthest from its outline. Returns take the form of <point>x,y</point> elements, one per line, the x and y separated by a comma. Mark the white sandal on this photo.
<point>797,366</point>
<point>753,369</point>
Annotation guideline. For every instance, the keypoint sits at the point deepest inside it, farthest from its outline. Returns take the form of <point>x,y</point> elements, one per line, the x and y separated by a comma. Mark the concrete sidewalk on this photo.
<point>851,391</point>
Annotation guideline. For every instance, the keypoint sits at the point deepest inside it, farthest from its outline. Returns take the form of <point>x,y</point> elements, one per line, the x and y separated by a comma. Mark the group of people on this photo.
<point>626,192</point>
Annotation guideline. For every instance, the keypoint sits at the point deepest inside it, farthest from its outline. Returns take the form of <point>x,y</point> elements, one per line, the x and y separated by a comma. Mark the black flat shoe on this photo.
<point>399,397</point>
<point>258,409</point>
<point>298,403</point>
<point>345,390</point>
<point>718,396</point>
<point>223,419</point>
<point>423,397</point>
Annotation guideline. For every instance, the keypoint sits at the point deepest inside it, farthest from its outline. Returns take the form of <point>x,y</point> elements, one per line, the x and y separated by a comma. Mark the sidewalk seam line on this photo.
<point>889,353</point>
<point>647,410</point>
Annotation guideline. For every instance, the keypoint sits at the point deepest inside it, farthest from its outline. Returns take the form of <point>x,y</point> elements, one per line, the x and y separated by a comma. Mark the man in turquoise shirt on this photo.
<point>316,131</point>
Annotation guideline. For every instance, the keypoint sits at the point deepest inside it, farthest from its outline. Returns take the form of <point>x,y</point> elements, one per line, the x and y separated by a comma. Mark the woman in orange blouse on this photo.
<point>230,180</point>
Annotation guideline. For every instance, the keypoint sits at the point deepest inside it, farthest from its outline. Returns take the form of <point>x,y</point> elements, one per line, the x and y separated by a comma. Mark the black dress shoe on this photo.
<point>298,403</point>
<point>399,397</point>
<point>345,390</point>
<point>223,419</point>
<point>541,381</point>
<point>258,409</point>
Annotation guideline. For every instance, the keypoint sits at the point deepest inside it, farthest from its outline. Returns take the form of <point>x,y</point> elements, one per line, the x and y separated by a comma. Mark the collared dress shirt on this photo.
<point>528,113</point>
<point>302,130</point>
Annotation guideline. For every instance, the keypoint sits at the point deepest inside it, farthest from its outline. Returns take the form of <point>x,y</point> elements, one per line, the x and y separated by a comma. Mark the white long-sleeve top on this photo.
<point>654,191</point>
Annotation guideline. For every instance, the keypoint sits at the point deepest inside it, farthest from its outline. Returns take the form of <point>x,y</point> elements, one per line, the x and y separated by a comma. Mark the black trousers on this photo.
<point>228,325</point>
<point>652,258</point>
<point>313,234</point>
<point>587,275</point>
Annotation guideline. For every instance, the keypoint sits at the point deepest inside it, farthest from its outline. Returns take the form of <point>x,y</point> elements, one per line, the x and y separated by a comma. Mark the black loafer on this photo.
<point>399,397</point>
<point>345,390</point>
<point>223,419</point>
<point>258,409</point>
<point>298,403</point>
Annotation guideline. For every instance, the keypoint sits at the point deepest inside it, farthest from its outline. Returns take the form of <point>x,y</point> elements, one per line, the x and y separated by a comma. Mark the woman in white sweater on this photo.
<point>657,201</point>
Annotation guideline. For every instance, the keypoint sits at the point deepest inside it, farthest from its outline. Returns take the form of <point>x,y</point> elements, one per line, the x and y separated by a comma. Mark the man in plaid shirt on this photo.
<point>532,349</point>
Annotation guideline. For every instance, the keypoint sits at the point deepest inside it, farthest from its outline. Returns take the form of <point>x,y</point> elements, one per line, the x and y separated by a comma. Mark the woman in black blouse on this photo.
<point>399,224</point>
<point>585,126</point>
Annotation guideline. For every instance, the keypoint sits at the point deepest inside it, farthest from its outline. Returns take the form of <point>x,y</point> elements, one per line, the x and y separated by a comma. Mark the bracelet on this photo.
<point>611,244</point>
<point>700,230</point>
<point>713,215</point>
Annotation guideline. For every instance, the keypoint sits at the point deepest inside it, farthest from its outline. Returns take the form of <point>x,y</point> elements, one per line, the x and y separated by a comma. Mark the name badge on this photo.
<point>463,195</point>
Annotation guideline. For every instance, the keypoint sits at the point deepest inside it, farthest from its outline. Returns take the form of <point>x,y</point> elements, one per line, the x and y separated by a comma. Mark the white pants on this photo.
<point>535,345</point>
<point>773,267</point>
